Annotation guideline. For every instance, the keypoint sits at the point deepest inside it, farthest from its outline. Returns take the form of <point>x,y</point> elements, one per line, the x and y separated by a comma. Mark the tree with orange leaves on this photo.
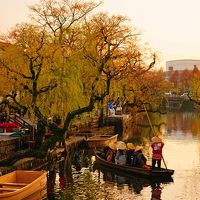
<point>64,65</point>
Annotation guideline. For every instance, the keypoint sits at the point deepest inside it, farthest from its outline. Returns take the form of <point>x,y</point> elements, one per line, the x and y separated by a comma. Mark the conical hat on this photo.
<point>121,145</point>
<point>138,148</point>
<point>130,146</point>
<point>112,146</point>
<point>156,139</point>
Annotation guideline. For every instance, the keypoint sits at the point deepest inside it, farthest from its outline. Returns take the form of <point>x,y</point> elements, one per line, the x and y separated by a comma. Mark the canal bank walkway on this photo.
<point>73,143</point>
<point>74,140</point>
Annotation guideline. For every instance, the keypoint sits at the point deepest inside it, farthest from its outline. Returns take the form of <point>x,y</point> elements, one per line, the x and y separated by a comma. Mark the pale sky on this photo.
<point>169,26</point>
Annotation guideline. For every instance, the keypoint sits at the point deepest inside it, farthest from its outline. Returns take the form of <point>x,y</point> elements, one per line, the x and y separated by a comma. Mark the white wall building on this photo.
<point>189,64</point>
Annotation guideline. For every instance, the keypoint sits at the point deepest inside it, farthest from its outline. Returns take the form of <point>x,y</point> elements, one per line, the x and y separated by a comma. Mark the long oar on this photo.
<point>149,120</point>
<point>153,132</point>
<point>164,162</point>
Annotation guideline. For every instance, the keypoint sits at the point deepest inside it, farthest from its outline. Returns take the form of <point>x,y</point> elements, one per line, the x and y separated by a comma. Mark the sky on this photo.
<point>170,27</point>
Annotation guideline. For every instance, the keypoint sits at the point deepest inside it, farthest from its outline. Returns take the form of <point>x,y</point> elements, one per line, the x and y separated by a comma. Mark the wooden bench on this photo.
<point>8,189</point>
<point>13,184</point>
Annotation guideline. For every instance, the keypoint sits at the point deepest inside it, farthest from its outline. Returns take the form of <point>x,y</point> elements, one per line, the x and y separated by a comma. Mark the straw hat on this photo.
<point>130,146</point>
<point>112,146</point>
<point>121,145</point>
<point>156,139</point>
<point>138,148</point>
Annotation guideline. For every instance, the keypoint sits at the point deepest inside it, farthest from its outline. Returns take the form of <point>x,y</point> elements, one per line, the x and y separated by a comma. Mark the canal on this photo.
<point>85,181</point>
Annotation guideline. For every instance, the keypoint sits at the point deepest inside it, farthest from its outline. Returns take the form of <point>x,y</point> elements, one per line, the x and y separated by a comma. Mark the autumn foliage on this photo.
<point>67,60</point>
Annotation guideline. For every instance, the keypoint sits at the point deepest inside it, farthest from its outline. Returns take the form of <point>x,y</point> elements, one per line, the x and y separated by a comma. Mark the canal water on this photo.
<point>85,181</point>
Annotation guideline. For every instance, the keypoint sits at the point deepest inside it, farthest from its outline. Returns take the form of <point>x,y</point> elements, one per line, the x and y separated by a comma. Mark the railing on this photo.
<point>23,123</point>
<point>175,102</point>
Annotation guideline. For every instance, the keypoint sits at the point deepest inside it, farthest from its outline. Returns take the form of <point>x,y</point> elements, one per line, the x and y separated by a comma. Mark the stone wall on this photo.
<point>122,123</point>
<point>9,144</point>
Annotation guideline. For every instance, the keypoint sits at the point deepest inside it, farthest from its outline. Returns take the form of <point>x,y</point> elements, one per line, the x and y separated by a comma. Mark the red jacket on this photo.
<point>157,150</point>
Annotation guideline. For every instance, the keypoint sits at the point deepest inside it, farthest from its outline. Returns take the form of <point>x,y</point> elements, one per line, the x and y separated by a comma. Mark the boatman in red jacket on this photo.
<point>157,146</point>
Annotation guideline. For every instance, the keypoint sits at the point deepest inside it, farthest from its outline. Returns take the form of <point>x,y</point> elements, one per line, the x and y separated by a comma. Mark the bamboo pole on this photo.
<point>149,120</point>
<point>153,132</point>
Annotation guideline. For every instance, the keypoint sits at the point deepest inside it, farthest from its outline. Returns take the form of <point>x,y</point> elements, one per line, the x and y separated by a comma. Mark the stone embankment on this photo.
<point>8,145</point>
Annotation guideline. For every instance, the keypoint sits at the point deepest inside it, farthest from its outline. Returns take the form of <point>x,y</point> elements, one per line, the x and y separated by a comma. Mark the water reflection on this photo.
<point>94,182</point>
<point>184,123</point>
<point>81,180</point>
<point>50,184</point>
<point>135,183</point>
<point>156,191</point>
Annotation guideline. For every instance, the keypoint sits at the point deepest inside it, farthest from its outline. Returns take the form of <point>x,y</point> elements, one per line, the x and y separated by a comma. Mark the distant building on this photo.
<point>180,65</point>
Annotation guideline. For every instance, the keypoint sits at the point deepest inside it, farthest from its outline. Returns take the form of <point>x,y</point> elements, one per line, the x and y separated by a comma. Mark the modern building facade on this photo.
<point>180,65</point>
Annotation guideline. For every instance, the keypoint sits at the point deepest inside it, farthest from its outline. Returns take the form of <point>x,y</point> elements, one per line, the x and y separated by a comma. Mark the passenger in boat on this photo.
<point>105,150</point>
<point>157,146</point>
<point>139,159</point>
<point>130,153</point>
<point>110,155</point>
<point>120,157</point>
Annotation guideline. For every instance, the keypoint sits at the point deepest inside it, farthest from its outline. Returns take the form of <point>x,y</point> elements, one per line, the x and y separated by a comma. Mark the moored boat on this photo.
<point>101,140</point>
<point>22,184</point>
<point>164,173</point>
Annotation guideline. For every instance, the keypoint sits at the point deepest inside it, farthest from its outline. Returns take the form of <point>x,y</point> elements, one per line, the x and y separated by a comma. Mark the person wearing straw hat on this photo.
<point>156,146</point>
<point>139,159</point>
<point>129,153</point>
<point>120,157</point>
<point>110,154</point>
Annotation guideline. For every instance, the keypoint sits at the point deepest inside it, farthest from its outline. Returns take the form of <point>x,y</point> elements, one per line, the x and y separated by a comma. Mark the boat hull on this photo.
<point>101,140</point>
<point>164,173</point>
<point>22,184</point>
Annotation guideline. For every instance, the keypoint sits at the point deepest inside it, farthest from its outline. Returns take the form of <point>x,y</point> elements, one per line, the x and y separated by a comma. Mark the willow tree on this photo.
<point>66,62</point>
<point>127,63</point>
<point>96,49</point>
<point>24,60</point>
<point>148,92</point>
<point>41,61</point>
<point>5,80</point>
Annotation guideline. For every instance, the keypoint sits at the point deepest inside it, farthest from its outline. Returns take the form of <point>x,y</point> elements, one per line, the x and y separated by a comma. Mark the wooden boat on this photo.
<point>22,184</point>
<point>101,140</point>
<point>164,173</point>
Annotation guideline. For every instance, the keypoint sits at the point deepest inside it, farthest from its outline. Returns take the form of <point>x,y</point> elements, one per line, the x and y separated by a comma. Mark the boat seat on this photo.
<point>13,184</point>
<point>8,189</point>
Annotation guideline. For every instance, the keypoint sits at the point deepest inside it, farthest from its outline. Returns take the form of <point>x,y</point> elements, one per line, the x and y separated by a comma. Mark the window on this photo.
<point>170,68</point>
